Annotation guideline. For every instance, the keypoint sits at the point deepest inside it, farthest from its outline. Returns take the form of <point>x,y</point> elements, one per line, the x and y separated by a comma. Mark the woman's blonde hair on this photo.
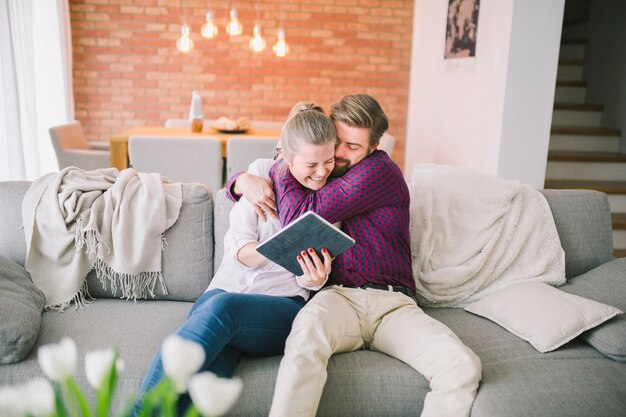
<point>307,124</point>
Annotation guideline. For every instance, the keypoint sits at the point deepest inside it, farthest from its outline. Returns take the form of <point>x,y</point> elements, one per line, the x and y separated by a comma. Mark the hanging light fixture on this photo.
<point>257,43</point>
<point>184,43</point>
<point>209,29</point>
<point>280,48</point>
<point>234,27</point>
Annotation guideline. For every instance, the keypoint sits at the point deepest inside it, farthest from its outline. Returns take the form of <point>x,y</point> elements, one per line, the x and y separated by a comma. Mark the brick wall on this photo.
<point>127,70</point>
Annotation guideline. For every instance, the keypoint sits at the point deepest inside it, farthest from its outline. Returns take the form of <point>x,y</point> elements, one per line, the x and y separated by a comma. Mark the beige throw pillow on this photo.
<point>544,316</point>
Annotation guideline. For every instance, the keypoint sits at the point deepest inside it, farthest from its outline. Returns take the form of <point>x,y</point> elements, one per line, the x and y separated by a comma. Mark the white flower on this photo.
<point>39,396</point>
<point>98,364</point>
<point>181,359</point>
<point>58,361</point>
<point>213,396</point>
<point>12,402</point>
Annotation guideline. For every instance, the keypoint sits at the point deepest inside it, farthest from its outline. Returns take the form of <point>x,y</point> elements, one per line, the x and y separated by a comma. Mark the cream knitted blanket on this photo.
<point>472,234</point>
<point>114,221</point>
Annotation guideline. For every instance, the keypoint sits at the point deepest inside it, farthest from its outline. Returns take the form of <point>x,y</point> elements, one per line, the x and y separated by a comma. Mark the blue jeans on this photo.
<point>228,325</point>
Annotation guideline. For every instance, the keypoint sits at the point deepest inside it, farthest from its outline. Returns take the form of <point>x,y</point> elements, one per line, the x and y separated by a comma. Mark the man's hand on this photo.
<point>259,192</point>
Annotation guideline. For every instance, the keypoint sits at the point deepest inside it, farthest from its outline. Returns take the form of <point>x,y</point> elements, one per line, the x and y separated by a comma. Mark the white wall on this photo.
<point>481,117</point>
<point>529,95</point>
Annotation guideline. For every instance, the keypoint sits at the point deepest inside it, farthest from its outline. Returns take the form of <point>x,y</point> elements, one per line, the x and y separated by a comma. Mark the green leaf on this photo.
<point>58,400</point>
<point>169,406</point>
<point>192,411</point>
<point>104,395</point>
<point>78,396</point>
<point>159,398</point>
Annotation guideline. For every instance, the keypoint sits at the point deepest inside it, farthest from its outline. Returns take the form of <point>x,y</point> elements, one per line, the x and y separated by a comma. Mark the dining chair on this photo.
<point>387,143</point>
<point>72,148</point>
<point>181,159</point>
<point>241,151</point>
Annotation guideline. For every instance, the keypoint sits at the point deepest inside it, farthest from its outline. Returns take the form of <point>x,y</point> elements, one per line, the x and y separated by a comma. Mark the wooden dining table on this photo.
<point>119,141</point>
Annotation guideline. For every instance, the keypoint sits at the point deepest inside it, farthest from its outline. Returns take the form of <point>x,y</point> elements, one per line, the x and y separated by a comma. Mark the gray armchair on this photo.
<point>72,148</point>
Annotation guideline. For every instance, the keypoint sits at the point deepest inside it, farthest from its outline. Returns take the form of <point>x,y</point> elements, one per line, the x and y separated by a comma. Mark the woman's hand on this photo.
<point>315,271</point>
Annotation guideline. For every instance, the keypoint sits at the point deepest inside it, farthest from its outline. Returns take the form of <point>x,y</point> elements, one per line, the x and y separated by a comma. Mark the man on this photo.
<point>371,304</point>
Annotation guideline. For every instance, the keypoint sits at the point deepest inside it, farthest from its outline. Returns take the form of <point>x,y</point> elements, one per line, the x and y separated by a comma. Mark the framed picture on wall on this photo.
<point>461,29</point>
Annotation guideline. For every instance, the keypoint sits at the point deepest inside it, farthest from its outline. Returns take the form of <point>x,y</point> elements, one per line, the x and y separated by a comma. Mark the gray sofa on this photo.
<point>574,380</point>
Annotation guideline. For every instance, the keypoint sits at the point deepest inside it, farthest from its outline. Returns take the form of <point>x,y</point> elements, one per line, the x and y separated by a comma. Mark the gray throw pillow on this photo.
<point>606,284</point>
<point>20,312</point>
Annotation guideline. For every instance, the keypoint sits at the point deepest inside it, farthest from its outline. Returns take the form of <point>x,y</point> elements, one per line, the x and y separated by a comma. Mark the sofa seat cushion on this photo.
<point>605,284</point>
<point>552,387</point>
<point>136,329</point>
<point>20,312</point>
<point>362,383</point>
<point>544,316</point>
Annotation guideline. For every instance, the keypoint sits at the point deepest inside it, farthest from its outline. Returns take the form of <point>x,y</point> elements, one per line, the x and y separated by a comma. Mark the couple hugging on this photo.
<point>366,300</point>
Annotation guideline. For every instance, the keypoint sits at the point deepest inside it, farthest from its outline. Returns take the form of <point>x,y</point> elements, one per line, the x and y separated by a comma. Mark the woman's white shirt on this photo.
<point>246,227</point>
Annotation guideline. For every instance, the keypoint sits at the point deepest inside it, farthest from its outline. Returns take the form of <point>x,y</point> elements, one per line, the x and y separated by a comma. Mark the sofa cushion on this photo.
<point>605,284</point>
<point>187,263</point>
<point>135,329</point>
<point>583,220</point>
<point>544,316</point>
<point>20,312</point>
<point>12,241</point>
<point>543,386</point>
<point>221,224</point>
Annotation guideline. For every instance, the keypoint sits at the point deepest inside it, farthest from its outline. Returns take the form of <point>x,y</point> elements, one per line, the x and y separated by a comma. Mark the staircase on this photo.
<point>583,153</point>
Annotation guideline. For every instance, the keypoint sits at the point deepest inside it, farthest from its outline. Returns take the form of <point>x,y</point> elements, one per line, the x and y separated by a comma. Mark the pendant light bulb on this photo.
<point>234,28</point>
<point>184,43</point>
<point>209,29</point>
<point>280,48</point>
<point>257,43</point>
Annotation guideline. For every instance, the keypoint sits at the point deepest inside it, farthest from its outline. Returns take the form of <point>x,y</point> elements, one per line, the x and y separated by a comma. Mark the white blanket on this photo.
<point>472,234</point>
<point>114,221</point>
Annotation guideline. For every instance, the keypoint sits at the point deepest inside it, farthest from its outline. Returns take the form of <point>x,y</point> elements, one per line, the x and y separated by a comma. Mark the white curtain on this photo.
<point>35,84</point>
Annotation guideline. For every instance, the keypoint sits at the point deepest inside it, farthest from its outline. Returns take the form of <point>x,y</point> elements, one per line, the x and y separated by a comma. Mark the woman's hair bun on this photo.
<point>304,106</point>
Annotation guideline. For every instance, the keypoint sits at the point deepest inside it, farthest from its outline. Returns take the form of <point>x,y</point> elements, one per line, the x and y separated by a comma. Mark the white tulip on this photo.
<point>213,396</point>
<point>181,359</point>
<point>58,360</point>
<point>98,364</point>
<point>12,402</point>
<point>39,395</point>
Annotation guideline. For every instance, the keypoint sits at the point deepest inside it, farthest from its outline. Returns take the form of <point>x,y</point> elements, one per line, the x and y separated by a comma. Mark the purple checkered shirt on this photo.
<point>372,202</point>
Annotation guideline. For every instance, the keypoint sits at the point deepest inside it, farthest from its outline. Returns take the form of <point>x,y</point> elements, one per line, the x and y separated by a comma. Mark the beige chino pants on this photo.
<point>340,319</point>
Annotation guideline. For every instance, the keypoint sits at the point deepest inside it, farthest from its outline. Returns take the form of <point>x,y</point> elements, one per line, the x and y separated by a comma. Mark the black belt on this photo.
<point>395,288</point>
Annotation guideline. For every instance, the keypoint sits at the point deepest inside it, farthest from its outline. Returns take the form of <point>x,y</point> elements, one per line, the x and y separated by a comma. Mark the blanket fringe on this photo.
<point>79,300</point>
<point>132,286</point>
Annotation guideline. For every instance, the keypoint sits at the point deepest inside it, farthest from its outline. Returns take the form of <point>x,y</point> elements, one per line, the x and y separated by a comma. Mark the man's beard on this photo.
<point>340,170</point>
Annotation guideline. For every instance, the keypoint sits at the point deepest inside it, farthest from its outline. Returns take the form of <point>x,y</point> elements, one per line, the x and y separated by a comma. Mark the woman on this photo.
<point>251,302</point>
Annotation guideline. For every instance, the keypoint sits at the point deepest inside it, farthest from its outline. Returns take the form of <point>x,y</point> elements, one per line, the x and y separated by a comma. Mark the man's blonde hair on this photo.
<point>361,110</point>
